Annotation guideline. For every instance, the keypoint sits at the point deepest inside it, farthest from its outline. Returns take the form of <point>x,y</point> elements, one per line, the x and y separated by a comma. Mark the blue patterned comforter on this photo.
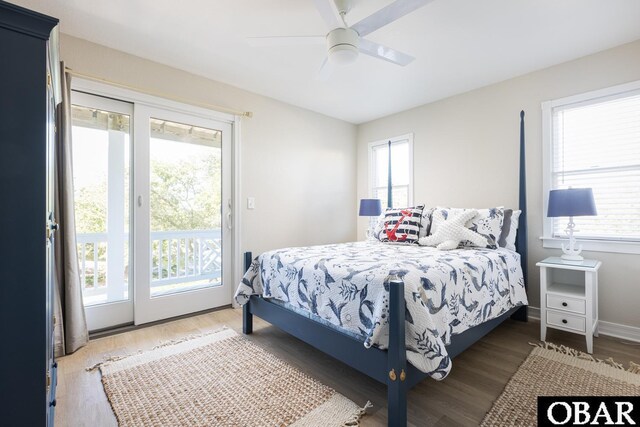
<point>344,285</point>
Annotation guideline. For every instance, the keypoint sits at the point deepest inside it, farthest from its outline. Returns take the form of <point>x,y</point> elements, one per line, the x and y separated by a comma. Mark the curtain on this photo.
<point>71,326</point>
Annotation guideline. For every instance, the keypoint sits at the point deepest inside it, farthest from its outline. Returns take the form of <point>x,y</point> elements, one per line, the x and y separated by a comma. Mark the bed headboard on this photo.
<point>521,238</point>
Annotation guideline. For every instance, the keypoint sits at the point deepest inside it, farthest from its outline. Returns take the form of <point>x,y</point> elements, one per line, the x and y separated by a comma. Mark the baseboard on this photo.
<point>533,313</point>
<point>629,333</point>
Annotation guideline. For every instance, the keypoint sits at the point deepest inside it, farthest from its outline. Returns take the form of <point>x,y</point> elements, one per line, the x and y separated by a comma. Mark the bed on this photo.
<point>398,313</point>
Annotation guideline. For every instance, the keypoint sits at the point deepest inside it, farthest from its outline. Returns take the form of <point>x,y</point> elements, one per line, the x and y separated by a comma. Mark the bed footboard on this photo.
<point>247,320</point>
<point>247,317</point>
<point>397,355</point>
<point>386,366</point>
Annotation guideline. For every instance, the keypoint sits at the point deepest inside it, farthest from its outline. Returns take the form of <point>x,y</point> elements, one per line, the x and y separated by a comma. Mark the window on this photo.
<point>101,151</point>
<point>594,141</point>
<point>401,170</point>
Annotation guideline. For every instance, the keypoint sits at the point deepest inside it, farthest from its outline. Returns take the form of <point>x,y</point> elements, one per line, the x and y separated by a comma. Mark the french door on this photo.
<point>152,200</point>
<point>182,214</point>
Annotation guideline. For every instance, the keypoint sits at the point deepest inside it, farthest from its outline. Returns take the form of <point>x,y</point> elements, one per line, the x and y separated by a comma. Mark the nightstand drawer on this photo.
<point>566,321</point>
<point>566,304</point>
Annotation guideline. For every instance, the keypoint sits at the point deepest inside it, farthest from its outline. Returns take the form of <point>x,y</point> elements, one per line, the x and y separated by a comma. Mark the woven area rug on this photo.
<point>221,379</point>
<point>552,370</point>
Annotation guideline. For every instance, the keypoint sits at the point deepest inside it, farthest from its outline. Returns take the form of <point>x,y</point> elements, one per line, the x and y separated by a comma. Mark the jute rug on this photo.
<point>221,379</point>
<point>552,370</point>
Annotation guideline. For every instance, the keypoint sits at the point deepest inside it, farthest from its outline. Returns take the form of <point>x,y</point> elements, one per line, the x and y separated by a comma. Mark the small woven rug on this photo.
<point>552,370</point>
<point>220,379</point>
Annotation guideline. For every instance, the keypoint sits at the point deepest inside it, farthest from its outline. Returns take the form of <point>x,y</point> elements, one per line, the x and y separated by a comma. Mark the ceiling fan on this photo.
<point>345,42</point>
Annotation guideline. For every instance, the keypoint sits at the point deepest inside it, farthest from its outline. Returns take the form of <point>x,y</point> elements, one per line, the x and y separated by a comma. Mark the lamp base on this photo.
<point>371,228</point>
<point>572,253</point>
<point>572,257</point>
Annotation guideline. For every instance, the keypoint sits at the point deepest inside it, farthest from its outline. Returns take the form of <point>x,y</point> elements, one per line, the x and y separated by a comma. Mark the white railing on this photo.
<point>177,257</point>
<point>181,255</point>
<point>92,260</point>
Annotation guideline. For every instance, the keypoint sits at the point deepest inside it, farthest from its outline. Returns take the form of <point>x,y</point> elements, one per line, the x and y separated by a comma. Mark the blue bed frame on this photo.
<point>389,366</point>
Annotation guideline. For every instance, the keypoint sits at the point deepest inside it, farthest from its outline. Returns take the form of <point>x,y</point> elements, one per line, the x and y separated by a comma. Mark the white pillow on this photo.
<point>488,223</point>
<point>453,231</point>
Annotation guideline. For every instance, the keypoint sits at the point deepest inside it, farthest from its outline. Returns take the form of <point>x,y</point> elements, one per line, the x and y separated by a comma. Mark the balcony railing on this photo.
<point>180,260</point>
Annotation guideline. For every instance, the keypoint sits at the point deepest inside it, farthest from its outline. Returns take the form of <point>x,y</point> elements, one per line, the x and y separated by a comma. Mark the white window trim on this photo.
<point>548,241</point>
<point>123,94</point>
<point>407,137</point>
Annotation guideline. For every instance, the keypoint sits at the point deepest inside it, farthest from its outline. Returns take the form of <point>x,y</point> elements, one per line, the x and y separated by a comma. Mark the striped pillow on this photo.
<point>400,225</point>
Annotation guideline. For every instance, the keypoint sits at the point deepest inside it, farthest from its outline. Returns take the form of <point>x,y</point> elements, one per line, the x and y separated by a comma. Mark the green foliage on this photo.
<point>185,195</point>
<point>91,208</point>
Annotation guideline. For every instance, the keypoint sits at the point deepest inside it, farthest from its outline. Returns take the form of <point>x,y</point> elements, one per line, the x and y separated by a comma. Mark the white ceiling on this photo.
<point>460,45</point>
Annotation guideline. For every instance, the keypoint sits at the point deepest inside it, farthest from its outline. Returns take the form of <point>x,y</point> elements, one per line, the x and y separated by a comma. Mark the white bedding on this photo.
<point>446,292</point>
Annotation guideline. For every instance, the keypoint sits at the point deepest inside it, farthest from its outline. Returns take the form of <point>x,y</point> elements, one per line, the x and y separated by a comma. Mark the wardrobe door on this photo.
<point>25,371</point>
<point>51,230</point>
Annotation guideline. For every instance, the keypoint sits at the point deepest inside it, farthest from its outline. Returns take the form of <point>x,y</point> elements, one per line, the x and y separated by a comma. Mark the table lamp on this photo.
<point>371,208</point>
<point>571,202</point>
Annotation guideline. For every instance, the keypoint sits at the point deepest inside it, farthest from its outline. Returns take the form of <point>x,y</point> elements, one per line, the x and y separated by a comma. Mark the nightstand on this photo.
<point>569,297</point>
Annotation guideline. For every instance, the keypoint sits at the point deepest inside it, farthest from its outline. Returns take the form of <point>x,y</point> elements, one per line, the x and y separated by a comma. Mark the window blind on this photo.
<point>597,144</point>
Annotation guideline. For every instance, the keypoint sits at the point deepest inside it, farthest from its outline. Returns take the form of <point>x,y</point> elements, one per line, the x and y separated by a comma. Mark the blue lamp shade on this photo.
<point>370,207</point>
<point>571,202</point>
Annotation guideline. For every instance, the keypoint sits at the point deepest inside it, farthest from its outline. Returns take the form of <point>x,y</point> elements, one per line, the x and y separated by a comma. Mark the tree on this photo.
<point>185,195</point>
<point>91,208</point>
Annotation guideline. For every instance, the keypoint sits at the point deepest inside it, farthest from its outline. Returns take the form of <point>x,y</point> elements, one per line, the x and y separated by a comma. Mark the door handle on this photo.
<point>229,223</point>
<point>139,201</point>
<point>51,227</point>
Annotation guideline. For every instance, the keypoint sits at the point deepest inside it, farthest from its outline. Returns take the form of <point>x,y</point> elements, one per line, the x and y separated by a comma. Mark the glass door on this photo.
<point>101,156</point>
<point>182,214</point>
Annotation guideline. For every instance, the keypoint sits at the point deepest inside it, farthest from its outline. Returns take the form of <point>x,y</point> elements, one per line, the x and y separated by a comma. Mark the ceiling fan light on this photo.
<point>343,54</point>
<point>342,46</point>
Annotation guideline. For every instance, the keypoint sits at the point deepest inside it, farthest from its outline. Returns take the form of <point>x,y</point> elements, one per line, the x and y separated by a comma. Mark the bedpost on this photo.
<point>521,238</point>
<point>247,317</point>
<point>397,356</point>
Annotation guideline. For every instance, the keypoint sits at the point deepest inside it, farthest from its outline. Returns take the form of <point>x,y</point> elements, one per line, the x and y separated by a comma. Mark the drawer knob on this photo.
<point>564,304</point>
<point>564,320</point>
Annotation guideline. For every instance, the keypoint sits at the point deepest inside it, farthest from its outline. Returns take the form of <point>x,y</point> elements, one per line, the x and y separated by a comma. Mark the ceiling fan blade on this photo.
<point>387,15</point>
<point>285,40</point>
<point>382,52</point>
<point>329,13</point>
<point>325,71</point>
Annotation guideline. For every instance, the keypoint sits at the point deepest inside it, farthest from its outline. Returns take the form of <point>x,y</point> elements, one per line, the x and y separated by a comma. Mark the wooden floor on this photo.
<point>477,378</point>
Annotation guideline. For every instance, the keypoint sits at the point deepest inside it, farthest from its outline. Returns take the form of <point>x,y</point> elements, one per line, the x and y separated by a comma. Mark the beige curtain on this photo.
<point>71,326</point>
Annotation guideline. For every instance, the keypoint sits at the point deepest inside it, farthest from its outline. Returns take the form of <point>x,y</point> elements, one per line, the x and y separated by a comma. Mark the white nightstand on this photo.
<point>569,297</point>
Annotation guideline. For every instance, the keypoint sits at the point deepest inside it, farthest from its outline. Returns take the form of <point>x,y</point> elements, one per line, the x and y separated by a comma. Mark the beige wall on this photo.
<point>299,165</point>
<point>466,154</point>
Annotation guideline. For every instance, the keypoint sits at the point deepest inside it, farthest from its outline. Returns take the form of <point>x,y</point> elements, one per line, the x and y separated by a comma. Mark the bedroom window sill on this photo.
<point>614,246</point>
